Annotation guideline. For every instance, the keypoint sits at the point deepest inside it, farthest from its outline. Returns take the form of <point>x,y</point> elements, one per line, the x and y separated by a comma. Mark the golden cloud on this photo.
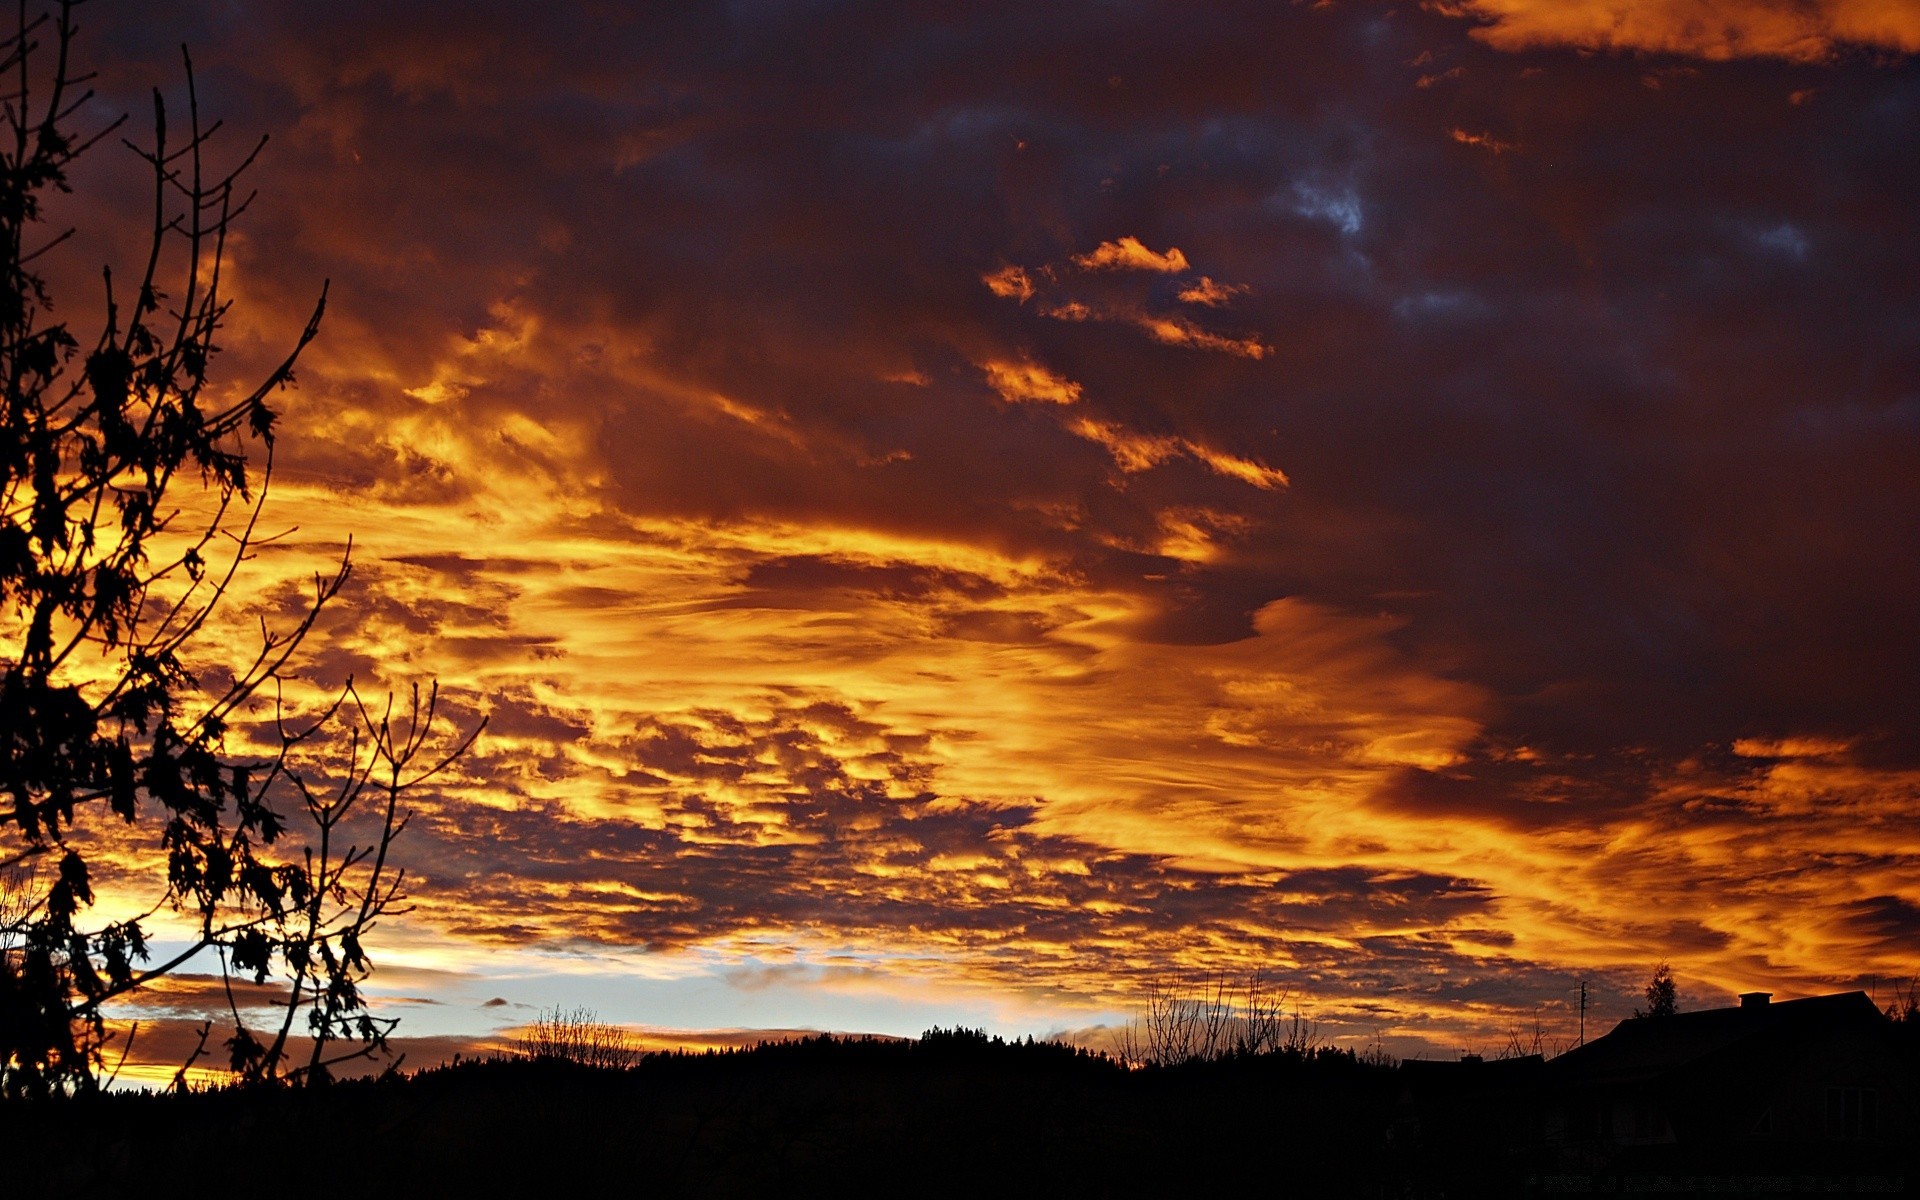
<point>1130,254</point>
<point>1210,293</point>
<point>1800,30</point>
<point>1023,381</point>
<point>797,643</point>
<point>1145,314</point>
<point>1010,283</point>
<point>1790,747</point>
<point>1175,331</point>
<point>1135,452</point>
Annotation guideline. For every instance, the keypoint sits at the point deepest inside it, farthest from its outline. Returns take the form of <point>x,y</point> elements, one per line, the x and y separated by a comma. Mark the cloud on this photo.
<point>1789,747</point>
<point>158,1046</point>
<point>1149,313</point>
<point>1024,381</point>
<point>1129,254</point>
<point>1711,29</point>
<point>1134,452</point>
<point>1010,282</point>
<point>1210,293</point>
<point>1485,540</point>
<point>1177,332</point>
<point>1484,141</point>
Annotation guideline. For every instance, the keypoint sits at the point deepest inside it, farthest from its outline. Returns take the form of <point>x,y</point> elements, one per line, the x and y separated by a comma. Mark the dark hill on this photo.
<point>954,1113</point>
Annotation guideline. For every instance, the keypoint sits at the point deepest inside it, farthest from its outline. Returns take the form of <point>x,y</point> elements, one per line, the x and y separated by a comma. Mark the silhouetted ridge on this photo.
<point>960,1111</point>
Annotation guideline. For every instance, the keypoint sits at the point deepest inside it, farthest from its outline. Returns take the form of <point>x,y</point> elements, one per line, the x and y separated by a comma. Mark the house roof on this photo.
<point>1640,1047</point>
<point>1428,1080</point>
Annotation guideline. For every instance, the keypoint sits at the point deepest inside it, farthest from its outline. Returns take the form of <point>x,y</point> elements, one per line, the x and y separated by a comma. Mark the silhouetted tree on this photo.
<point>578,1036</point>
<point>1528,1044</point>
<point>1904,1008</point>
<point>1214,1021</point>
<point>1662,998</point>
<point>106,589</point>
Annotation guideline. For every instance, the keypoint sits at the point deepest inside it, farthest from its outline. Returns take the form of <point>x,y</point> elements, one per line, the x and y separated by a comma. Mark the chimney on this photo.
<point>1755,999</point>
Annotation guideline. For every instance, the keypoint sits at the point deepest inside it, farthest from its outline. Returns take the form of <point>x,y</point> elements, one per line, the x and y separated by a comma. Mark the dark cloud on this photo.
<point>1622,408</point>
<point>1890,920</point>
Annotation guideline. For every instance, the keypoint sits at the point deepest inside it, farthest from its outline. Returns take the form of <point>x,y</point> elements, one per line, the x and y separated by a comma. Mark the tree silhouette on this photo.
<point>578,1036</point>
<point>1662,998</point>
<point>106,589</point>
<point>1218,1019</point>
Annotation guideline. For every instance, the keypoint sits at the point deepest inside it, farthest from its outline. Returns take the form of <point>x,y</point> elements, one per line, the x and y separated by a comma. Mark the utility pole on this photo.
<point>1583,1012</point>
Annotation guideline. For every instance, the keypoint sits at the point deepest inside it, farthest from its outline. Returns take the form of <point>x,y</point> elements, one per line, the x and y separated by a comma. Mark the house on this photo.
<point>1481,1112</point>
<point>1824,1082</point>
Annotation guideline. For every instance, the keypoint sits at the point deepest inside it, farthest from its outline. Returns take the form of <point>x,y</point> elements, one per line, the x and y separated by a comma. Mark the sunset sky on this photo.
<point>956,512</point>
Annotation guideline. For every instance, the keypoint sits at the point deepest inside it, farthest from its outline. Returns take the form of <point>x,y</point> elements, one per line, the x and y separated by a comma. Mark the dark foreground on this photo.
<point>951,1114</point>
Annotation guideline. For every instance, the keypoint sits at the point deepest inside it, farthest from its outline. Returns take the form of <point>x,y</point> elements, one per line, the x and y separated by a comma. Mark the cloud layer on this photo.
<point>1711,29</point>
<point>1067,495</point>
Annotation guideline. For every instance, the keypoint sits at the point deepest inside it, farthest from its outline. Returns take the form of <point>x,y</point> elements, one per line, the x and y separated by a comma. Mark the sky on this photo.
<point>957,514</point>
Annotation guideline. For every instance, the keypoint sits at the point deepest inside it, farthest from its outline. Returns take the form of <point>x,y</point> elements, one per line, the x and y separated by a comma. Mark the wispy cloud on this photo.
<point>1130,254</point>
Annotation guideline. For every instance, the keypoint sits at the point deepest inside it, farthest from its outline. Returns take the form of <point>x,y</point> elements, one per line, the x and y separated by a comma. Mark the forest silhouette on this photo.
<point>956,1112</point>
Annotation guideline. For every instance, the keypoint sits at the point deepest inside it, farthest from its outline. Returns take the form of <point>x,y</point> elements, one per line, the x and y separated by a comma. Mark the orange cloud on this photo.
<point>1172,329</point>
<point>798,644</point>
<point>1129,254</point>
<point>1010,282</point>
<point>1233,466</point>
<point>1134,452</point>
<point>1131,452</point>
<point>1792,747</point>
<point>1024,381</point>
<point>1715,29</point>
<point>1485,141</point>
<point>1175,331</point>
<point>1210,293</point>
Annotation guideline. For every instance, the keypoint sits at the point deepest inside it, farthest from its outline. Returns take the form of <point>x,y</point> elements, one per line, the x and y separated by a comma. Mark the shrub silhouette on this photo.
<point>578,1036</point>
<point>1218,1019</point>
<point>106,589</point>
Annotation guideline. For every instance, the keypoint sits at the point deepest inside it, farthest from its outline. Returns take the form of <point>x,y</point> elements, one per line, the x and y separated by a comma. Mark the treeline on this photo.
<point>955,1110</point>
<point>580,1043</point>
